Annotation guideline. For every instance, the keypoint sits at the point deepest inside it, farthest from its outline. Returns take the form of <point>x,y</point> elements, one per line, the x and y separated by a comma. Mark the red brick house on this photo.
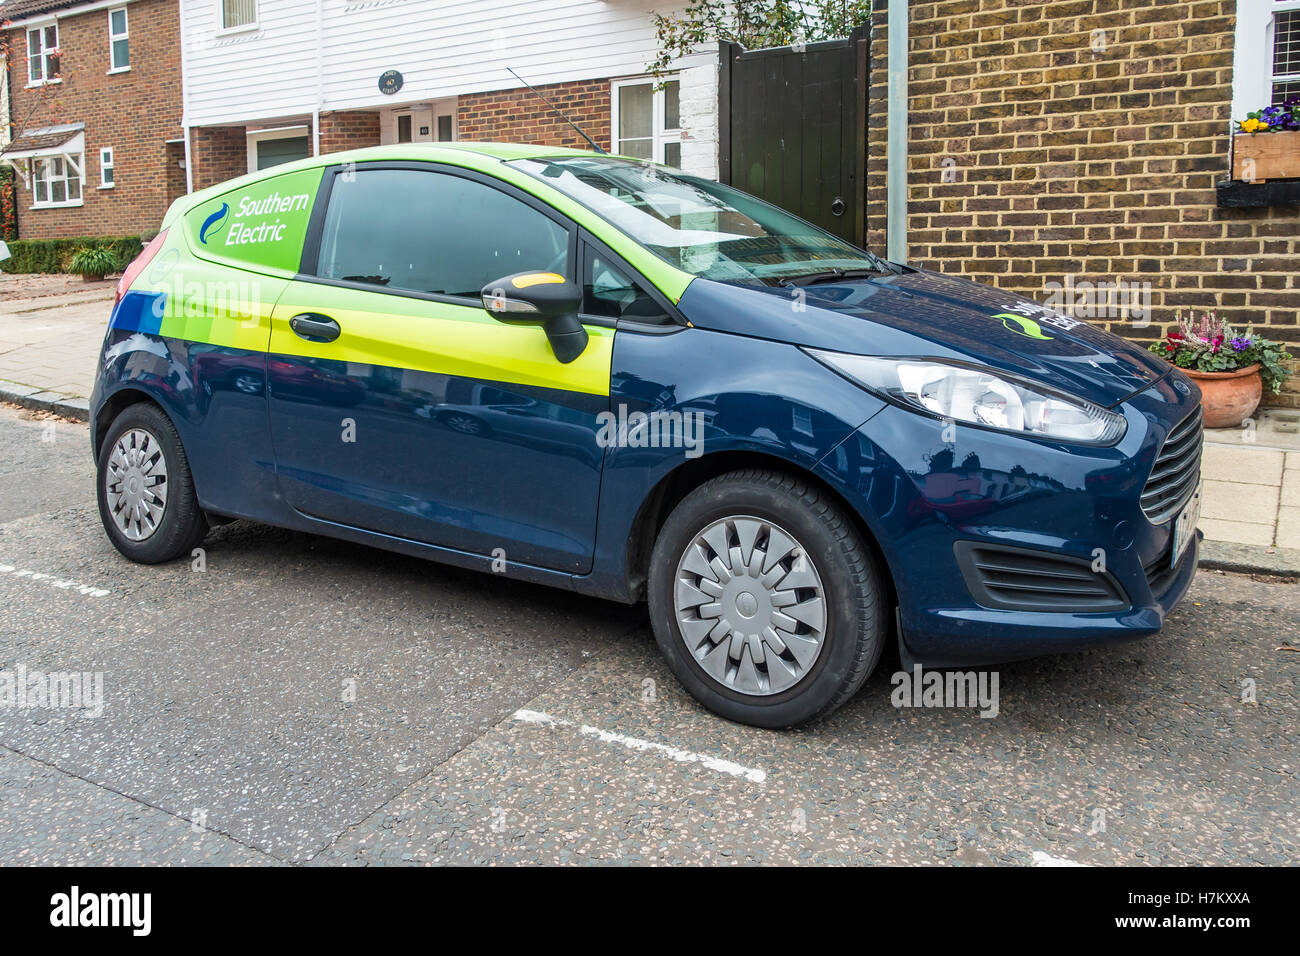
<point>95,104</point>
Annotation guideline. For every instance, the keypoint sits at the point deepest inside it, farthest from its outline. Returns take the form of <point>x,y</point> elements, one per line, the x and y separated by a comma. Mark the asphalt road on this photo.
<point>306,701</point>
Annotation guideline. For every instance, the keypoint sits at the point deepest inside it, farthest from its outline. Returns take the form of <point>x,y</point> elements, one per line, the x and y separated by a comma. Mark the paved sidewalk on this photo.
<point>50,336</point>
<point>51,331</point>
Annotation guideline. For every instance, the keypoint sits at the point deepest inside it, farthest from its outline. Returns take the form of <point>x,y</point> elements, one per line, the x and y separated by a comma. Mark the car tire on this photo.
<point>141,454</point>
<point>743,513</point>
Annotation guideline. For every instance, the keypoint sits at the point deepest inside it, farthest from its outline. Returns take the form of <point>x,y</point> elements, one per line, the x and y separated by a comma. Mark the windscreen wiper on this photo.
<point>830,275</point>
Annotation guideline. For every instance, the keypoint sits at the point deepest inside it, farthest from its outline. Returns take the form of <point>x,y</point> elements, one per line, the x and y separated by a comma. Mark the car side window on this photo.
<point>609,293</point>
<point>423,231</point>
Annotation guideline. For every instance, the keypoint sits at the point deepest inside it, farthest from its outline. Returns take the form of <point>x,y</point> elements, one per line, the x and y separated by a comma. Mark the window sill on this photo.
<point>38,83</point>
<point>56,205</point>
<point>107,186</point>
<point>242,28</point>
<point>120,69</point>
<point>1236,194</point>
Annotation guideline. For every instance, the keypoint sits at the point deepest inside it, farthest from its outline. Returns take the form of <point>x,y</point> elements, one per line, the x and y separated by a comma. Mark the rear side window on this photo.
<point>422,231</point>
<point>260,225</point>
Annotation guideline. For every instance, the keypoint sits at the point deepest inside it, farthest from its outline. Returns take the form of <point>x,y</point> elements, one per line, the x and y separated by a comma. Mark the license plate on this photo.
<point>1185,526</point>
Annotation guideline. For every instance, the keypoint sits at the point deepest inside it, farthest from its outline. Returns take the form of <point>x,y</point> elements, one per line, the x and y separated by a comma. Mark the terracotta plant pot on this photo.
<point>1229,398</point>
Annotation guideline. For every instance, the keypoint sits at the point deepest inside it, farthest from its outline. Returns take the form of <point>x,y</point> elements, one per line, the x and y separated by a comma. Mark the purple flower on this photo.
<point>1240,344</point>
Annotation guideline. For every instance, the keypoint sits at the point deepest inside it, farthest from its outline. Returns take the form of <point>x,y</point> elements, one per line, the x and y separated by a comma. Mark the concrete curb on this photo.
<point>37,399</point>
<point>1249,559</point>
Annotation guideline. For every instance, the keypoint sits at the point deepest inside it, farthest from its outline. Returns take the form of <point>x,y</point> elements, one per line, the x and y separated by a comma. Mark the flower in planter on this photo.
<point>1199,345</point>
<point>1280,117</point>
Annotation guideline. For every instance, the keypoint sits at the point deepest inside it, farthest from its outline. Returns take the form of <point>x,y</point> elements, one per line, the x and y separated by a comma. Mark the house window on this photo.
<point>1286,55</point>
<point>119,42</point>
<point>1266,57</point>
<point>238,13</point>
<point>106,180</point>
<point>43,54</point>
<point>647,121</point>
<point>56,181</point>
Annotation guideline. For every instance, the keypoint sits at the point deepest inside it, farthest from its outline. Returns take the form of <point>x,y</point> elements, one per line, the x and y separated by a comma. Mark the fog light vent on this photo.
<point>1024,579</point>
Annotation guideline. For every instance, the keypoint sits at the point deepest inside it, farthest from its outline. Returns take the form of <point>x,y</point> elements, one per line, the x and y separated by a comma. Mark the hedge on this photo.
<point>52,255</point>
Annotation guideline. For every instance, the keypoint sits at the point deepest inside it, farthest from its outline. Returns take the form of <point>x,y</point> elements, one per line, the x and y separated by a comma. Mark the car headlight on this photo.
<point>979,396</point>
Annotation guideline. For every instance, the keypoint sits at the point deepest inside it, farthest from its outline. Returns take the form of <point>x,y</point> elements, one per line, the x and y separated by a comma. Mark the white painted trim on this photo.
<point>112,39</point>
<point>38,26</point>
<point>270,135</point>
<point>1252,57</point>
<point>660,137</point>
<point>279,129</point>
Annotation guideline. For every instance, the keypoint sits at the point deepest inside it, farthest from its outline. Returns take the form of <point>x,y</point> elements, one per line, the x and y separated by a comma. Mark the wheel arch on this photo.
<point>113,406</point>
<point>682,480</point>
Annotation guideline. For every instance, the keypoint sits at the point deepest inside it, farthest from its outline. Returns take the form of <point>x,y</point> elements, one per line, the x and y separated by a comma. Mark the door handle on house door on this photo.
<point>837,206</point>
<point>315,327</point>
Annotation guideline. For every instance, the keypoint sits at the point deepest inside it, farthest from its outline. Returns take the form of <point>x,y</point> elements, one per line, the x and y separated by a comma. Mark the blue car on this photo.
<point>606,376</point>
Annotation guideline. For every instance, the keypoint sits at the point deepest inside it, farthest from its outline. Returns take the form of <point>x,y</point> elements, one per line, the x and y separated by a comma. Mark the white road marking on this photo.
<point>37,577</point>
<point>1043,859</point>
<point>636,743</point>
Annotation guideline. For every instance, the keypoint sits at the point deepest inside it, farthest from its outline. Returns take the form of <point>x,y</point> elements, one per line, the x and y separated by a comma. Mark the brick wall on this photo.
<point>1084,139</point>
<point>217,153</point>
<point>348,130</point>
<point>518,116</point>
<point>134,112</point>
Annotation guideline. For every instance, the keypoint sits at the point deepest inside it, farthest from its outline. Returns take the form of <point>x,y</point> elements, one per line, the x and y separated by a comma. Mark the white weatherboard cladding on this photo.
<point>441,48</point>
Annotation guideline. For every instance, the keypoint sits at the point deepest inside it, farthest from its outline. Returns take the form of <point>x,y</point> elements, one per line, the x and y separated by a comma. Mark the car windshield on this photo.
<point>699,226</point>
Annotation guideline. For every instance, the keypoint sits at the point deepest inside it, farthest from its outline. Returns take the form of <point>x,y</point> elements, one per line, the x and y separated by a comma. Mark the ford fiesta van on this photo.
<point>606,376</point>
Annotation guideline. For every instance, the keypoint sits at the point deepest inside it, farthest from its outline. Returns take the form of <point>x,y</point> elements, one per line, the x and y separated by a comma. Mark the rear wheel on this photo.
<point>765,601</point>
<point>145,490</point>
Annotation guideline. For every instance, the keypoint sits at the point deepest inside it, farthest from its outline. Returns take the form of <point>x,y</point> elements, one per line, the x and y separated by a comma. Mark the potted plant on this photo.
<point>1232,369</point>
<point>92,263</point>
<point>1256,157</point>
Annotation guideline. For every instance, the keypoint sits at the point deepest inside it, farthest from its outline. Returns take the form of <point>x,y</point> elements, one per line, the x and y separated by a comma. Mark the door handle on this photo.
<point>315,327</point>
<point>838,207</point>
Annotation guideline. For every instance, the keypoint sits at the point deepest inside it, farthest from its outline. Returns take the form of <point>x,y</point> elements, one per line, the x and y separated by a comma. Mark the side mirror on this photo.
<point>540,298</point>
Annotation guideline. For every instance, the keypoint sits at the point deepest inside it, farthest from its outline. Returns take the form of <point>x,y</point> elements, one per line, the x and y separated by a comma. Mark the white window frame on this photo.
<point>43,56</point>
<point>72,163</point>
<point>113,37</point>
<point>422,114</point>
<point>106,165</point>
<point>256,136</point>
<point>238,27</point>
<point>1252,61</point>
<point>661,137</point>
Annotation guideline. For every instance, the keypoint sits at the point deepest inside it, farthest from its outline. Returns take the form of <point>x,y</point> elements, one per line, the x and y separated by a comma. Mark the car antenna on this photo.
<point>555,110</point>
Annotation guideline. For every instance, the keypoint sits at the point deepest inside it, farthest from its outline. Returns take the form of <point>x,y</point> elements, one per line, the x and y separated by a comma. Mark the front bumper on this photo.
<point>927,501</point>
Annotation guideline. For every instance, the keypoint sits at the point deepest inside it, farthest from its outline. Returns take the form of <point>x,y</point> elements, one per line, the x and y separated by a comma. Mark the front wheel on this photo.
<point>145,491</point>
<point>764,599</point>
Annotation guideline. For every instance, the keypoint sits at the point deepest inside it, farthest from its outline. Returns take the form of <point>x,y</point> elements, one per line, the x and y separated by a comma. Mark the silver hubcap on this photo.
<point>750,605</point>
<point>136,483</point>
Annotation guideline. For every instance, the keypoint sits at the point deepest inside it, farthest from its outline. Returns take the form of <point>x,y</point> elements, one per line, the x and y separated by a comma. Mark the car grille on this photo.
<point>1176,470</point>
<point>1021,579</point>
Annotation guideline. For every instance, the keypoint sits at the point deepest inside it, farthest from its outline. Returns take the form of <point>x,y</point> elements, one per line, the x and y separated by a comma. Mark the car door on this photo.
<point>400,406</point>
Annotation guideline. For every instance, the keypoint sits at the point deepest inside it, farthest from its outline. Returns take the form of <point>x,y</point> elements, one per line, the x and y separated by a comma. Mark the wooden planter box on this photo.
<point>1259,157</point>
